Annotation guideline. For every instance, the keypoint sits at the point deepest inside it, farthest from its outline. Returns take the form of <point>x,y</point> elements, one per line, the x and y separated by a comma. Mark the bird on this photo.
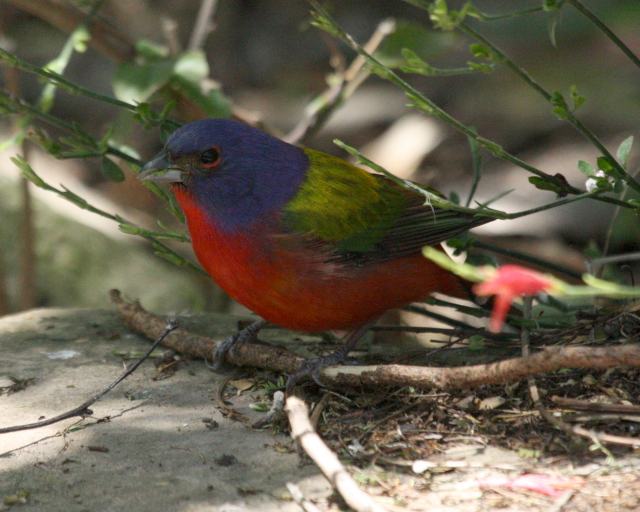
<point>304,239</point>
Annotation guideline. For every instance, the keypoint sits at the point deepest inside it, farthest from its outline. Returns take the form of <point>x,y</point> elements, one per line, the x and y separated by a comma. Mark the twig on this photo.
<point>342,86</point>
<point>598,438</point>
<point>570,116</point>
<point>318,410</point>
<point>609,33</point>
<point>204,24</point>
<point>333,470</point>
<point>83,409</point>
<point>299,498</point>
<point>549,359</point>
<point>585,405</point>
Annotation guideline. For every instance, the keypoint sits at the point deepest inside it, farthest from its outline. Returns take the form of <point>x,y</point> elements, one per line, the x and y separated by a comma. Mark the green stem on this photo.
<point>608,32</point>
<point>426,105</point>
<point>73,198</point>
<point>18,105</point>
<point>60,81</point>
<point>571,118</point>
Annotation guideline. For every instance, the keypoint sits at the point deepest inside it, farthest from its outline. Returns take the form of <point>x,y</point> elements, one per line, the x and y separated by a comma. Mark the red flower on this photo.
<point>508,283</point>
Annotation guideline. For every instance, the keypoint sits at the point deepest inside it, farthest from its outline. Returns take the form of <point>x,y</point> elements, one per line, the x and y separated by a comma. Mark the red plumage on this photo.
<point>293,285</point>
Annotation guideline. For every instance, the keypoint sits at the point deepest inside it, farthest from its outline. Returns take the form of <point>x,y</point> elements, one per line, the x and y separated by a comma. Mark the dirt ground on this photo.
<point>176,436</point>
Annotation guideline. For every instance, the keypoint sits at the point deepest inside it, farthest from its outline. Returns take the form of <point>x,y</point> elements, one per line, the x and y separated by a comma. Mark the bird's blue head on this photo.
<point>236,173</point>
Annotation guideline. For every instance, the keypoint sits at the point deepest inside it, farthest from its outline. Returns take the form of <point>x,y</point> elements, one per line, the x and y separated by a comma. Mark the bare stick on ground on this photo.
<point>598,438</point>
<point>83,409</point>
<point>278,359</point>
<point>333,470</point>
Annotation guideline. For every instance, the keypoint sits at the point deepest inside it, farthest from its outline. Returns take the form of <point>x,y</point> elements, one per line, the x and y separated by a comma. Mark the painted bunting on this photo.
<point>306,240</point>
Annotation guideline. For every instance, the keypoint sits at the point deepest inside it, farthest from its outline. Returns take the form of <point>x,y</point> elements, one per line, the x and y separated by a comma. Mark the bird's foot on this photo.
<point>231,343</point>
<point>312,367</point>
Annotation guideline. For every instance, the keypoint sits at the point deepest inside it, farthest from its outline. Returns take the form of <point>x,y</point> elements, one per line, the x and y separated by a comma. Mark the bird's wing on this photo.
<point>358,216</point>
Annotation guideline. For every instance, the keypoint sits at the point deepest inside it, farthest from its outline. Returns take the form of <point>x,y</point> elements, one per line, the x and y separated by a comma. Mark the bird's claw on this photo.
<point>231,343</point>
<point>311,368</point>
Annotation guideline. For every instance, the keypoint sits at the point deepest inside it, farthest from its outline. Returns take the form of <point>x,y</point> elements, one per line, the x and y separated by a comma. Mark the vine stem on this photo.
<point>579,6</point>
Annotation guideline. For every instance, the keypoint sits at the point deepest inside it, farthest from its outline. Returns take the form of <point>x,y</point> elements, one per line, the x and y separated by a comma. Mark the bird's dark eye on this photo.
<point>210,158</point>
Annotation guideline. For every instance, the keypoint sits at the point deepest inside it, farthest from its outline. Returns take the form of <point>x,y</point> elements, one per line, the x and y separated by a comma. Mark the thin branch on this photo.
<point>204,24</point>
<point>343,85</point>
<point>608,32</point>
<point>549,359</point>
<point>570,116</point>
<point>585,405</point>
<point>426,105</point>
<point>83,409</point>
<point>303,433</point>
<point>125,226</point>
<point>597,438</point>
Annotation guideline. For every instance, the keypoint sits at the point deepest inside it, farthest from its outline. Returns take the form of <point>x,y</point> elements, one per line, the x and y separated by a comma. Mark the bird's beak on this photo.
<point>160,170</point>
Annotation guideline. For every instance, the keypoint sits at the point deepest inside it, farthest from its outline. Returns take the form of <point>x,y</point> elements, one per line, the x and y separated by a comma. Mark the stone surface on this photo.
<point>156,452</point>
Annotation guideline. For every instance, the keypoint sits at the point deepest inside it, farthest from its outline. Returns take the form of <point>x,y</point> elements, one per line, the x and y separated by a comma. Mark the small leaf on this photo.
<point>414,64</point>
<point>480,51</point>
<point>192,66</point>
<point>151,50</point>
<point>552,25</point>
<point>576,98</point>
<point>130,229</point>
<point>605,165</point>
<point>545,184</point>
<point>560,108</point>
<point>27,172</point>
<point>622,154</point>
<point>136,83</point>
<point>111,170</point>
<point>586,168</point>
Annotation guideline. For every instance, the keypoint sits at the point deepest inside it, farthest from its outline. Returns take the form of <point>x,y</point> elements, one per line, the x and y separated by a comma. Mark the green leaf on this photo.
<point>424,42</point>
<point>130,229</point>
<point>546,184</point>
<point>586,168</point>
<point>135,83</point>
<point>576,98</point>
<point>111,170</point>
<point>622,154</point>
<point>192,66</point>
<point>28,173</point>
<point>481,67</point>
<point>560,108</point>
<point>414,64</point>
<point>606,165</point>
<point>151,50</point>
<point>213,102</point>
<point>480,51</point>
<point>552,25</point>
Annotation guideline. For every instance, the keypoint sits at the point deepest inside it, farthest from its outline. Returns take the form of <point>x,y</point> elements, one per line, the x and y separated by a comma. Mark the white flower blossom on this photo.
<point>592,183</point>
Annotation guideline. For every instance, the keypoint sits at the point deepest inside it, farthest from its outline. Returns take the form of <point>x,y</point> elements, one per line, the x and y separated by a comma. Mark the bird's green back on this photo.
<point>367,216</point>
<point>344,205</point>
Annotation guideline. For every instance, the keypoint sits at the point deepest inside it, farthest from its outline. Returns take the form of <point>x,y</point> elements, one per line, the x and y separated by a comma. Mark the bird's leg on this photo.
<point>311,367</point>
<point>231,343</point>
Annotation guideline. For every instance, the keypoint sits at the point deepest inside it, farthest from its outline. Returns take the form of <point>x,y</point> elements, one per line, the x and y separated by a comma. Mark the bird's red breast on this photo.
<point>294,286</point>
